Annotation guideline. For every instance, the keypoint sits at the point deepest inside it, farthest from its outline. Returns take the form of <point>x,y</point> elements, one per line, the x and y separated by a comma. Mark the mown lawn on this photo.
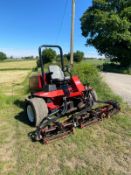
<point>17,65</point>
<point>101,149</point>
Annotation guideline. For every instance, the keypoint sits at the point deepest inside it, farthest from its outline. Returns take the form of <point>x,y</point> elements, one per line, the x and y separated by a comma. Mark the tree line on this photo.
<point>48,55</point>
<point>3,57</point>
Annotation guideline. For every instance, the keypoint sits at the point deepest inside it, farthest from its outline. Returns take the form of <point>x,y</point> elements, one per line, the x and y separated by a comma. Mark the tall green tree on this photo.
<point>107,27</point>
<point>48,55</point>
<point>2,56</point>
<point>78,56</point>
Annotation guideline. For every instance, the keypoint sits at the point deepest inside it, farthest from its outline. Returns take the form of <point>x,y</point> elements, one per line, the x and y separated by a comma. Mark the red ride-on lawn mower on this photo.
<point>59,103</point>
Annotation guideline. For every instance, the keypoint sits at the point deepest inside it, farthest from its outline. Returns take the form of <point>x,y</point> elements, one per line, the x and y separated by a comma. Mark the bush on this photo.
<point>111,67</point>
<point>78,56</point>
<point>89,74</point>
<point>48,55</point>
<point>2,56</point>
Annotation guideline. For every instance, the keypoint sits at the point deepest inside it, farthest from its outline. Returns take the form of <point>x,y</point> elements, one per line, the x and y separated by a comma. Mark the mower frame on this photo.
<point>42,60</point>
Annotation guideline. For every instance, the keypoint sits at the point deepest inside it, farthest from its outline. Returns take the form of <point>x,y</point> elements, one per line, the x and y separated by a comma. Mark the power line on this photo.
<point>62,21</point>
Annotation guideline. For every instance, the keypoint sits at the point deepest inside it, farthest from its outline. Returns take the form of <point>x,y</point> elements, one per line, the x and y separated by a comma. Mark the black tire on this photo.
<point>93,98</point>
<point>94,95</point>
<point>39,110</point>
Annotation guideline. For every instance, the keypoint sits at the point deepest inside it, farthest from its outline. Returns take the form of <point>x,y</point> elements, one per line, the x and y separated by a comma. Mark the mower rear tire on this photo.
<point>37,110</point>
<point>92,98</point>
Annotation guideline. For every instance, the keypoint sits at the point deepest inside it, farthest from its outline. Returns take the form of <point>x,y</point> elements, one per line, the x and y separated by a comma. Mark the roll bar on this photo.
<point>42,62</point>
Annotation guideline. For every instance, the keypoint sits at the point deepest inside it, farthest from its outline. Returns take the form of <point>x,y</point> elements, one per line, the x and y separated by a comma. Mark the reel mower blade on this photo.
<point>81,120</point>
<point>47,135</point>
<point>98,114</point>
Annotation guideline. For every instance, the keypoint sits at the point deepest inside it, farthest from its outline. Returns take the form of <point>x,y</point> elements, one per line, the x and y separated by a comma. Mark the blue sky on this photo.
<point>26,24</point>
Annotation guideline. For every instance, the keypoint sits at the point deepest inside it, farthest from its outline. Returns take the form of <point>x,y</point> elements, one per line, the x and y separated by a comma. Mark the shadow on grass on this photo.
<point>22,116</point>
<point>114,68</point>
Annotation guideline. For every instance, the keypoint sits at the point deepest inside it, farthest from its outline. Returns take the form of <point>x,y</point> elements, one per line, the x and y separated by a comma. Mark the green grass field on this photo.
<point>101,149</point>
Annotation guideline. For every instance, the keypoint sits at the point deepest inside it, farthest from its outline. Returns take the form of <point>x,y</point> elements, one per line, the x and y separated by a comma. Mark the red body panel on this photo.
<point>75,94</point>
<point>75,88</point>
<point>40,80</point>
<point>51,106</point>
<point>79,86</point>
<point>51,94</point>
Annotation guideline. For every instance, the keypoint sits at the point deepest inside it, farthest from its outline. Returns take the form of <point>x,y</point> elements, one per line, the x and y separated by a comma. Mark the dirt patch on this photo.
<point>52,164</point>
<point>75,163</point>
<point>109,161</point>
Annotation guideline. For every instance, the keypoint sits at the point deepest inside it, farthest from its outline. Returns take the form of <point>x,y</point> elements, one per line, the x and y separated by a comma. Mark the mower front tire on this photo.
<point>36,110</point>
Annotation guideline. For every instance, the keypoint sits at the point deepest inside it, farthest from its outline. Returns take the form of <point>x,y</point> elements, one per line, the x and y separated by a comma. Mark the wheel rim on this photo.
<point>30,113</point>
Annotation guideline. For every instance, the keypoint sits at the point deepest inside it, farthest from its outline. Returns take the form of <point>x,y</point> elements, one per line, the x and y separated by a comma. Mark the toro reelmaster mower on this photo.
<point>59,103</point>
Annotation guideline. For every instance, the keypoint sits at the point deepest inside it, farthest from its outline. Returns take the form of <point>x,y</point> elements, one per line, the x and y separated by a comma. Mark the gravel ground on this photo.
<point>120,84</point>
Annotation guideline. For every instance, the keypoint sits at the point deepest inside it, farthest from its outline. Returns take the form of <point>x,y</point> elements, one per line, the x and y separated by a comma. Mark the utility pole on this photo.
<point>72,34</point>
